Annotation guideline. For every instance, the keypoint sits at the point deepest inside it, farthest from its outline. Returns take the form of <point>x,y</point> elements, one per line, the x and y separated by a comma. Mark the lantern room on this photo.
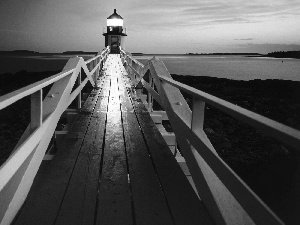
<point>114,36</point>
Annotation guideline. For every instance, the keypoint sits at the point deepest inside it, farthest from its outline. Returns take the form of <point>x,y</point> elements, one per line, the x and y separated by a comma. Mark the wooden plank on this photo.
<point>114,205</point>
<point>101,105</point>
<point>46,194</point>
<point>184,204</point>
<point>179,193</point>
<point>42,205</point>
<point>90,104</point>
<point>149,202</point>
<point>137,103</point>
<point>114,104</point>
<point>79,202</point>
<point>94,168</point>
<point>126,104</point>
<point>106,87</point>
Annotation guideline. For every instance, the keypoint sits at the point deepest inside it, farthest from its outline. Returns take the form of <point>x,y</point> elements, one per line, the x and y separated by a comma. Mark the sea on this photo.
<point>232,67</point>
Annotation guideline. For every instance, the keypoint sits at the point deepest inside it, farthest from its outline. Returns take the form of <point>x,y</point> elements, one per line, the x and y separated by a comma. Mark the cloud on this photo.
<point>158,23</point>
<point>203,12</point>
<point>244,39</point>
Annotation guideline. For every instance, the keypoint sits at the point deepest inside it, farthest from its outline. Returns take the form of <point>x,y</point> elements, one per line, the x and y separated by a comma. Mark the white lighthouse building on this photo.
<point>114,36</point>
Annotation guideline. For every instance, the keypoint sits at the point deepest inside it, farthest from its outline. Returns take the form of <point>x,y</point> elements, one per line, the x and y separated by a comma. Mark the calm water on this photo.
<point>232,67</point>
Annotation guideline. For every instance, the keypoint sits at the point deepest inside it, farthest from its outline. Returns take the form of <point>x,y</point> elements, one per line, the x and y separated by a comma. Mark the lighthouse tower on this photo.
<point>114,36</point>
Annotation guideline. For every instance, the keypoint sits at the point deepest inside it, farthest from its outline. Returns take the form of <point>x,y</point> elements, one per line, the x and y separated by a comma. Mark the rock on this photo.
<point>209,131</point>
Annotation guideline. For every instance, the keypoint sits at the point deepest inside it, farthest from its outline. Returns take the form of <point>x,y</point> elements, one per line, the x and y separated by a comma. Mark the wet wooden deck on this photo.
<point>115,167</point>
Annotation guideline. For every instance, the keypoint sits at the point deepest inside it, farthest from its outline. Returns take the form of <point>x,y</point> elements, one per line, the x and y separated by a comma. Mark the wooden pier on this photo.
<point>112,164</point>
<point>113,168</point>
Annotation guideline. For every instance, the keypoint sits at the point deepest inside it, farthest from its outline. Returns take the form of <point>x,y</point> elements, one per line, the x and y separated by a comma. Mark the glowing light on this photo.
<point>115,22</point>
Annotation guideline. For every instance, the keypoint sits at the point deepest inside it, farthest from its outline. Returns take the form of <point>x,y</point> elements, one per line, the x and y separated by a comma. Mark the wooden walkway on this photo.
<point>115,167</point>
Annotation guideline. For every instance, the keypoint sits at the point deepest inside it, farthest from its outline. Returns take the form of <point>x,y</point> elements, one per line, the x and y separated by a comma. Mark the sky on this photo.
<point>156,26</point>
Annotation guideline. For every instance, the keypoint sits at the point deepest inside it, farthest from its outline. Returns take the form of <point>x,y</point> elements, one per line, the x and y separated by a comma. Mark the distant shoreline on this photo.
<point>287,54</point>
<point>269,55</point>
<point>32,53</point>
<point>202,54</point>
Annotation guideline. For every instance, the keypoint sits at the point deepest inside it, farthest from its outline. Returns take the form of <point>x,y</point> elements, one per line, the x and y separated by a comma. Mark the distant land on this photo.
<point>288,54</point>
<point>258,54</point>
<point>31,53</point>
<point>198,54</point>
<point>279,54</point>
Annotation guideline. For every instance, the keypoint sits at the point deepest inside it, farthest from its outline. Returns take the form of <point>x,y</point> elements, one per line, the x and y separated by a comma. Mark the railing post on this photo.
<point>150,98</point>
<point>198,115</point>
<point>98,69</point>
<point>79,95</point>
<point>36,110</point>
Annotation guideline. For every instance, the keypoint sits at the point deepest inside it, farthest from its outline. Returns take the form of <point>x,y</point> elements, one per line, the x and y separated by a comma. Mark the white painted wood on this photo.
<point>231,209</point>
<point>156,118</point>
<point>14,96</point>
<point>161,128</point>
<point>197,115</point>
<point>182,163</point>
<point>151,92</point>
<point>188,127</point>
<point>169,138</point>
<point>51,103</point>
<point>79,92</point>
<point>162,113</point>
<point>36,110</point>
<point>175,105</point>
<point>18,172</point>
<point>143,97</point>
<point>279,131</point>
<point>15,160</point>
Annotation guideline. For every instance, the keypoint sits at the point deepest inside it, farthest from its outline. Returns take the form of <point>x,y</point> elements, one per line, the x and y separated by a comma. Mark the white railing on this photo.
<point>18,171</point>
<point>228,199</point>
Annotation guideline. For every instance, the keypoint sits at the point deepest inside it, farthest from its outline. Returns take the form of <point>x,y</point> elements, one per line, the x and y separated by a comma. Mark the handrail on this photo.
<point>18,171</point>
<point>226,196</point>
<point>280,131</point>
<point>14,96</point>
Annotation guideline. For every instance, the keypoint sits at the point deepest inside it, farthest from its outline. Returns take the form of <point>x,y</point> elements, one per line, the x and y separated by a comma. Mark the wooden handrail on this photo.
<point>14,96</point>
<point>280,131</point>
<point>18,171</point>
<point>230,192</point>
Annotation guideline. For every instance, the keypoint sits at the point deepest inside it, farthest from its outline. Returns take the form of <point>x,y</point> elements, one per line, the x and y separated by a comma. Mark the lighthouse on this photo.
<point>114,36</point>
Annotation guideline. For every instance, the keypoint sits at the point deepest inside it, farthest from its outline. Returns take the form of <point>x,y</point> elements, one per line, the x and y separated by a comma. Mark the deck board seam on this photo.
<point>101,161</point>
<point>78,154</point>
<point>128,172</point>
<point>152,161</point>
<point>100,172</point>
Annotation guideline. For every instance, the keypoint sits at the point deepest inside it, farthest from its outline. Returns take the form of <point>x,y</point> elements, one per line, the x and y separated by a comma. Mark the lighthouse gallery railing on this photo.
<point>19,170</point>
<point>228,199</point>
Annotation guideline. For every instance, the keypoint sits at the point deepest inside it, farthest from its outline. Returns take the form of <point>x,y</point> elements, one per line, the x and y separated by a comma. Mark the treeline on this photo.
<point>287,54</point>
